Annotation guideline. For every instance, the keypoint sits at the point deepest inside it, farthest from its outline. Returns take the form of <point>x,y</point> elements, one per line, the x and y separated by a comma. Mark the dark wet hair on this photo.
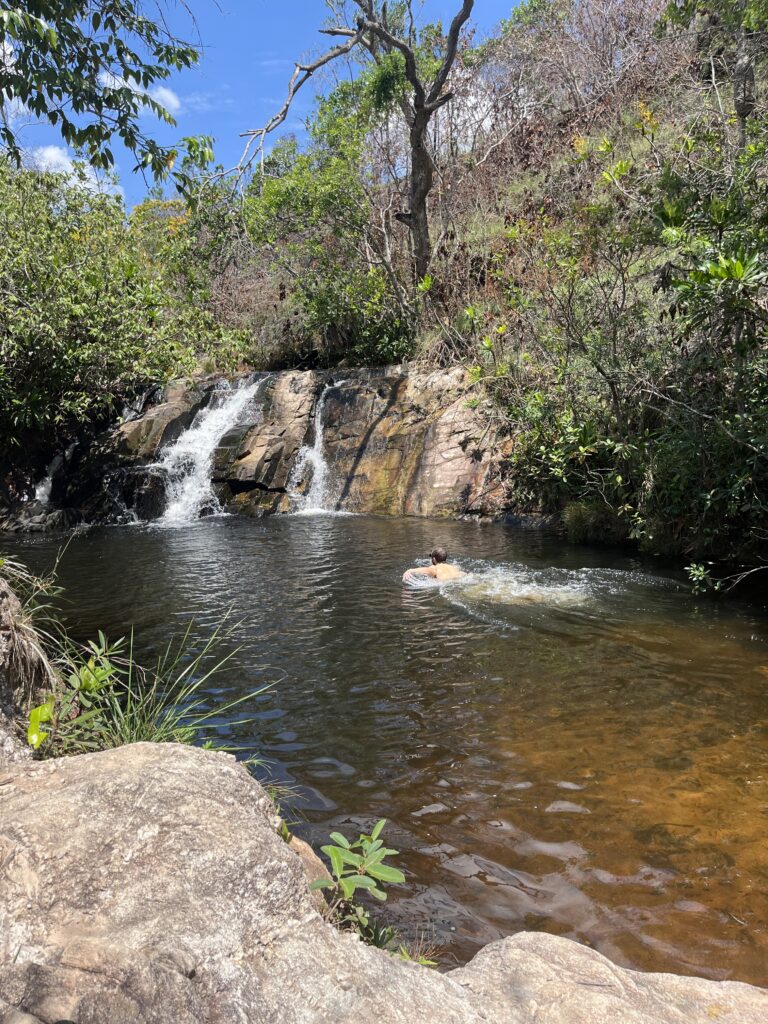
<point>438,555</point>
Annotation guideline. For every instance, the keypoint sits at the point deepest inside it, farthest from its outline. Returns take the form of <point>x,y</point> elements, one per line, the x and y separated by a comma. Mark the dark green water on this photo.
<point>565,741</point>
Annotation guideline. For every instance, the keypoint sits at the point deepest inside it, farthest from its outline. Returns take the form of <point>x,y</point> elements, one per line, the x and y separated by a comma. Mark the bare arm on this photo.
<point>427,570</point>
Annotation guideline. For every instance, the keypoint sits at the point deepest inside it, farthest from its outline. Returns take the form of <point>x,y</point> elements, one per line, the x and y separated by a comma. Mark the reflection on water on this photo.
<point>563,740</point>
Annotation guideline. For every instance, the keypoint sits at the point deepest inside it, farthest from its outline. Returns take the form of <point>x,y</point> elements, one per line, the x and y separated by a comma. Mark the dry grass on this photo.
<point>25,621</point>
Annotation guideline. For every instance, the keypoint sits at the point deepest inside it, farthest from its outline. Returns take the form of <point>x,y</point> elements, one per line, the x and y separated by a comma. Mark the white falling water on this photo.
<point>317,497</point>
<point>188,462</point>
<point>43,488</point>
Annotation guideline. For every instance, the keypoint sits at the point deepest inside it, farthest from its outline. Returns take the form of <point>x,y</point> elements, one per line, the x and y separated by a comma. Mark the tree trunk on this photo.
<point>422,176</point>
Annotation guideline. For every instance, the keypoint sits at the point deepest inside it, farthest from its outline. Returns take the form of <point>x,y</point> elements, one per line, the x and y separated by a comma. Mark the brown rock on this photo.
<point>261,467</point>
<point>142,438</point>
<point>410,444</point>
<point>314,869</point>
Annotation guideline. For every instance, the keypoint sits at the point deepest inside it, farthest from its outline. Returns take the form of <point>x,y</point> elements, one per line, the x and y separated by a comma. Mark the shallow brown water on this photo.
<point>567,741</point>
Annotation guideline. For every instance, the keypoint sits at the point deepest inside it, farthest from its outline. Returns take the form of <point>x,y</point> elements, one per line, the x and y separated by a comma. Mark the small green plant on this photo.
<point>355,866</point>
<point>700,578</point>
<point>104,699</point>
<point>73,712</point>
<point>421,955</point>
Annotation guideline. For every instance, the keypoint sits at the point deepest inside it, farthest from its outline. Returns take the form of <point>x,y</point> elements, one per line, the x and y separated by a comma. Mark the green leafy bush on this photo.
<point>359,866</point>
<point>84,319</point>
<point>637,359</point>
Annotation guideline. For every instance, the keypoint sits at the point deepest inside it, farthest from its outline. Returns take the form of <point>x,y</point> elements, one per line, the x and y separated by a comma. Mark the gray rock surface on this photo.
<point>147,885</point>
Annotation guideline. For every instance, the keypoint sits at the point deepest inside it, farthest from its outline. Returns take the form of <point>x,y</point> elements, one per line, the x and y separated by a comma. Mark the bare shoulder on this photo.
<point>448,572</point>
<point>427,570</point>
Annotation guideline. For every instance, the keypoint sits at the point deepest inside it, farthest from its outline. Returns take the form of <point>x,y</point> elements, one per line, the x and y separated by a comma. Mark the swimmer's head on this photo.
<point>438,555</point>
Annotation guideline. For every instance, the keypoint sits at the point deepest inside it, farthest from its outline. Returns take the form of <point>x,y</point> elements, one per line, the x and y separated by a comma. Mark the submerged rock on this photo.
<point>148,885</point>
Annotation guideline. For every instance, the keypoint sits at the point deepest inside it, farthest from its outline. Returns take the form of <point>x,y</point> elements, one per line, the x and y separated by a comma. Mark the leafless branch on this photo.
<point>301,75</point>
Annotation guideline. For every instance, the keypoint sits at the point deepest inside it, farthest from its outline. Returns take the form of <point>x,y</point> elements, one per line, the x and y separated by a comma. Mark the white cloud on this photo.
<point>205,102</point>
<point>166,98</point>
<point>56,160</point>
<point>12,110</point>
<point>277,62</point>
<point>160,93</point>
<point>52,158</point>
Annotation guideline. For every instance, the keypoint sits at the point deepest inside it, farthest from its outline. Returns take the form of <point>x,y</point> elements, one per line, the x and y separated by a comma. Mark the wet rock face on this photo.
<point>33,517</point>
<point>255,473</point>
<point>412,444</point>
<point>396,442</point>
<point>113,478</point>
<point>148,885</point>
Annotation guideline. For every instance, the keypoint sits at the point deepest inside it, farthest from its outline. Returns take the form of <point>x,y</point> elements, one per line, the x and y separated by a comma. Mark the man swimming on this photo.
<point>439,570</point>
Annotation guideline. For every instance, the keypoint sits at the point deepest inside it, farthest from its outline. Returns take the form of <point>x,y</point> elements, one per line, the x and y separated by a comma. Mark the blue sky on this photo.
<point>248,52</point>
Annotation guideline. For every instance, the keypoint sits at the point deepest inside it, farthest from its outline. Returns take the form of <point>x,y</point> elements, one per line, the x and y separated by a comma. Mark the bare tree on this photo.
<point>373,31</point>
<point>581,57</point>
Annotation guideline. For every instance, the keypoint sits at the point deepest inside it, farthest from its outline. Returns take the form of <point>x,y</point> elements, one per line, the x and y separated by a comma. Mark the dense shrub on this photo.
<point>84,320</point>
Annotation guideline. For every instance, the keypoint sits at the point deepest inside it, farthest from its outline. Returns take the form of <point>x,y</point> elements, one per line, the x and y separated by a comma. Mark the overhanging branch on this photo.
<point>301,75</point>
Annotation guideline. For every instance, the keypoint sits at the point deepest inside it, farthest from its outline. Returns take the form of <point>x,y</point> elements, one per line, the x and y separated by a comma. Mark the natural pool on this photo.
<point>567,741</point>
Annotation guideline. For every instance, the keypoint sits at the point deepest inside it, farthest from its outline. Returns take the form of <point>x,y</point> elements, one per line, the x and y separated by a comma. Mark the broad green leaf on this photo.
<point>348,857</point>
<point>387,874</point>
<point>377,829</point>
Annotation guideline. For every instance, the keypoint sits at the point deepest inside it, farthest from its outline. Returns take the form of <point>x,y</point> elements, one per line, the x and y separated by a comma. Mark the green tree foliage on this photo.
<point>85,318</point>
<point>87,67</point>
<point>725,16</point>
<point>311,211</point>
<point>598,244</point>
<point>642,389</point>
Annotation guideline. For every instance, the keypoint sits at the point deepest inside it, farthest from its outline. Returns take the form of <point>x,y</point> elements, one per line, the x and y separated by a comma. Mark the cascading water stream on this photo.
<point>317,497</point>
<point>188,462</point>
<point>44,486</point>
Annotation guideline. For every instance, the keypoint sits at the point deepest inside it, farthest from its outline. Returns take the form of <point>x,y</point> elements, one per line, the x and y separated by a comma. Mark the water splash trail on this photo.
<point>188,462</point>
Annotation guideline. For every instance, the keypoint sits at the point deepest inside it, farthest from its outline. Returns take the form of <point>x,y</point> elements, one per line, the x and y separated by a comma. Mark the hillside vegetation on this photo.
<point>599,263</point>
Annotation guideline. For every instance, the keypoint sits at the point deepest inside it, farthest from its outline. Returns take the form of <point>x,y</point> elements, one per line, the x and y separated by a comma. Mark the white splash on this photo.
<point>523,587</point>
<point>188,462</point>
<point>43,488</point>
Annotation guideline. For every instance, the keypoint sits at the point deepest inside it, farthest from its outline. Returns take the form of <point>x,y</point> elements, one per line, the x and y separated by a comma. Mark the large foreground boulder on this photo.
<point>147,885</point>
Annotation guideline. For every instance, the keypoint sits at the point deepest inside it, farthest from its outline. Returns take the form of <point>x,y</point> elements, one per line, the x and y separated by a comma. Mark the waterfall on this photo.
<point>43,487</point>
<point>317,497</point>
<point>188,462</point>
